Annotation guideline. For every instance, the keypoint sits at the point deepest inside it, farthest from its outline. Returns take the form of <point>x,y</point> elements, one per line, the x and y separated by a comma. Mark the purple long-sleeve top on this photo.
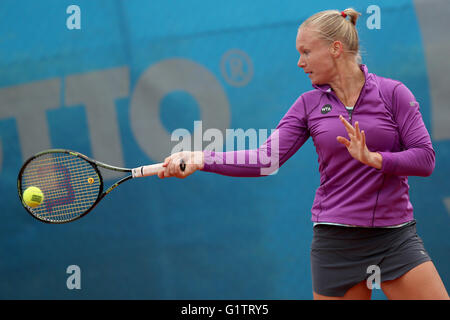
<point>350,192</point>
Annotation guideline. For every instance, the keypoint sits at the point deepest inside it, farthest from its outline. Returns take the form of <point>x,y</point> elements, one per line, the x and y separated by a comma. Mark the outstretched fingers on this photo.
<point>344,141</point>
<point>347,125</point>
<point>357,131</point>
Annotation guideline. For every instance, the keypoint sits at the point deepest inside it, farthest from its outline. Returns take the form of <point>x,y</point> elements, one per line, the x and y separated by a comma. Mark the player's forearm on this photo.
<point>412,162</point>
<point>241,163</point>
<point>202,161</point>
<point>375,160</point>
<point>197,158</point>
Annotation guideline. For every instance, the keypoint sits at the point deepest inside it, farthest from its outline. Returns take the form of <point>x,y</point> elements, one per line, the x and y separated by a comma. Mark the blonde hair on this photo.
<point>332,25</point>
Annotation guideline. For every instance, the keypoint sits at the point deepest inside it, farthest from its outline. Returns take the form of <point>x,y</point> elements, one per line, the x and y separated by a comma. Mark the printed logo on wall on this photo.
<point>236,67</point>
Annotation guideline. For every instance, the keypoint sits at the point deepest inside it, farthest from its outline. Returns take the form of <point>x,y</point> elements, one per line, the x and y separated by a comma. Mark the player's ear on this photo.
<point>336,48</point>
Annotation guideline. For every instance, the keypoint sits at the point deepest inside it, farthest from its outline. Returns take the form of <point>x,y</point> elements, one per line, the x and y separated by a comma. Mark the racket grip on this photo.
<point>153,169</point>
<point>146,171</point>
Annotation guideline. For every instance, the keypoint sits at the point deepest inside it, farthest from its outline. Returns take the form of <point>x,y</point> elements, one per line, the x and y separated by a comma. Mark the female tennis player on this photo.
<point>362,213</point>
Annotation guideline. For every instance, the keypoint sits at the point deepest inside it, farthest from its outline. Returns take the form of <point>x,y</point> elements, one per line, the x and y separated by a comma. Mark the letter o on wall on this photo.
<point>159,80</point>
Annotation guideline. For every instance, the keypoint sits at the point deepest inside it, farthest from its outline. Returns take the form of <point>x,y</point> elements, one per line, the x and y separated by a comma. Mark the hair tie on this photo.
<point>343,14</point>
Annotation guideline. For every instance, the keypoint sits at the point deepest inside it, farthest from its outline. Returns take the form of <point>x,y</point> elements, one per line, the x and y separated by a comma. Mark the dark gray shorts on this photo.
<point>341,256</point>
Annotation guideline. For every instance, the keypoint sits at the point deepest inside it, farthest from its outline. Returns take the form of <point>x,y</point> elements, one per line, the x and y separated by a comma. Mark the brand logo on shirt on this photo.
<point>326,108</point>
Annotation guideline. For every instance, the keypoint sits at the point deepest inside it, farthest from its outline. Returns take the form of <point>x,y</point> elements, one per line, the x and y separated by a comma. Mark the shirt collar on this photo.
<point>327,87</point>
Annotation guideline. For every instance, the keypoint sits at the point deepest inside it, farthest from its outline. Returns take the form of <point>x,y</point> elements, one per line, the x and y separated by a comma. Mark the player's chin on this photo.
<point>318,81</point>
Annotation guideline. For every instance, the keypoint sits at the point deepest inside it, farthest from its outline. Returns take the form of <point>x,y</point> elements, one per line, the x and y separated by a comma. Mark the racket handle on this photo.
<point>153,169</point>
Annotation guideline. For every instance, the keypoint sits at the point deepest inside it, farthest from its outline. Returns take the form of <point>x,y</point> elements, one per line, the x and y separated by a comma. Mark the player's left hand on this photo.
<point>357,145</point>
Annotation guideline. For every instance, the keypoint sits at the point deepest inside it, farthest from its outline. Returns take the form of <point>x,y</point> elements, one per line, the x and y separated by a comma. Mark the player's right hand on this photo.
<point>171,165</point>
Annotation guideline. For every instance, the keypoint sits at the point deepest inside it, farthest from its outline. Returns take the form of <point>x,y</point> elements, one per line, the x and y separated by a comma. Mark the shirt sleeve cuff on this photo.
<point>208,161</point>
<point>388,163</point>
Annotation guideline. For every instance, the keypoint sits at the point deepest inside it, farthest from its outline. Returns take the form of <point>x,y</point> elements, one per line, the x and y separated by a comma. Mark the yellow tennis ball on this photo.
<point>33,197</point>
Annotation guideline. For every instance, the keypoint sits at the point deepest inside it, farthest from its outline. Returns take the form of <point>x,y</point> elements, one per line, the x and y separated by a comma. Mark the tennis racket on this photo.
<point>71,183</point>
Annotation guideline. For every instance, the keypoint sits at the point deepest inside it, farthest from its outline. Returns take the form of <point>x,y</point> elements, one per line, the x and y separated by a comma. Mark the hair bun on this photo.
<point>352,13</point>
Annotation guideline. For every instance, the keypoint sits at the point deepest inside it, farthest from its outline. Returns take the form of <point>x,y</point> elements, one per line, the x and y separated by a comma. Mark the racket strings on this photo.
<point>69,183</point>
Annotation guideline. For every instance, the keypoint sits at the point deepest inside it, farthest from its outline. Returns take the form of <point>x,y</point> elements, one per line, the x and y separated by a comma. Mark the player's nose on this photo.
<point>301,62</point>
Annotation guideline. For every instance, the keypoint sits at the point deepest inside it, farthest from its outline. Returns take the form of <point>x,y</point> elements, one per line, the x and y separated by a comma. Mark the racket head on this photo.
<point>70,182</point>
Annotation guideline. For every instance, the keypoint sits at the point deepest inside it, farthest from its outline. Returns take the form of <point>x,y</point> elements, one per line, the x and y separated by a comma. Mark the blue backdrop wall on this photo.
<point>137,70</point>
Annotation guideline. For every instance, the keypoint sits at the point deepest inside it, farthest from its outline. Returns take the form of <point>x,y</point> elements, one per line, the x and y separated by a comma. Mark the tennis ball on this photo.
<point>33,197</point>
